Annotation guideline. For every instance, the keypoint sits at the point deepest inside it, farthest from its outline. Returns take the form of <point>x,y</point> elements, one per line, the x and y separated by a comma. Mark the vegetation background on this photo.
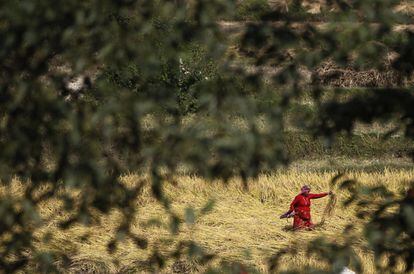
<point>167,136</point>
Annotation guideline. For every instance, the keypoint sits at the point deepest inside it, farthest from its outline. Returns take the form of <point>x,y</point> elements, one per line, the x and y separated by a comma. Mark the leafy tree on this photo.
<point>137,51</point>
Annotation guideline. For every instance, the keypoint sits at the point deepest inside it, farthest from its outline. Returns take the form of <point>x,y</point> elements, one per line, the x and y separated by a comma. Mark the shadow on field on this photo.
<point>179,266</point>
<point>288,228</point>
<point>87,266</point>
<point>317,227</point>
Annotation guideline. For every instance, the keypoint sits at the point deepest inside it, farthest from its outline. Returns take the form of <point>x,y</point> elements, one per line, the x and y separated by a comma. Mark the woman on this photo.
<point>300,208</point>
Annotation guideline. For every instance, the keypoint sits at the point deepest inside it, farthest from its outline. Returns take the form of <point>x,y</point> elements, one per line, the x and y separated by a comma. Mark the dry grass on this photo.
<point>243,225</point>
<point>334,76</point>
<point>316,6</point>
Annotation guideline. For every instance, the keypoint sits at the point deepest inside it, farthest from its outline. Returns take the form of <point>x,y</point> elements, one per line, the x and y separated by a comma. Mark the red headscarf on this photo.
<point>305,188</point>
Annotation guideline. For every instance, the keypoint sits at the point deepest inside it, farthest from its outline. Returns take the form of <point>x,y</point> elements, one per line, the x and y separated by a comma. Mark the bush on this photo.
<point>252,9</point>
<point>182,74</point>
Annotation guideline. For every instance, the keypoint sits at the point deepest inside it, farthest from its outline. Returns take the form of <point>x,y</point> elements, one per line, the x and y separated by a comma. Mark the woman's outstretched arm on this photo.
<point>316,196</point>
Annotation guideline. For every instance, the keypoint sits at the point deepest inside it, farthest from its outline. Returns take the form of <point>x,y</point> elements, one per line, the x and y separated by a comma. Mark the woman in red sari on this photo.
<point>300,208</point>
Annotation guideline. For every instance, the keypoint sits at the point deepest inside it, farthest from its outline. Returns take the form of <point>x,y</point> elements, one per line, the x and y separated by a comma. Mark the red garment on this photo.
<point>301,206</point>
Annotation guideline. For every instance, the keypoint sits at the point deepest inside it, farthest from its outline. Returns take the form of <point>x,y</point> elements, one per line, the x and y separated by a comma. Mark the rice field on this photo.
<point>243,225</point>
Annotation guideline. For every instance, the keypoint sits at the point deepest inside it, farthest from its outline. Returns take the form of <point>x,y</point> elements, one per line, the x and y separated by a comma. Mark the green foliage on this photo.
<point>153,63</point>
<point>252,9</point>
<point>302,145</point>
<point>192,70</point>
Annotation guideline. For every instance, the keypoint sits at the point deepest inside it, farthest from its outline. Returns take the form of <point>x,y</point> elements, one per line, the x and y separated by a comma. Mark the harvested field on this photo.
<point>243,226</point>
<point>332,75</point>
<point>317,6</point>
<point>328,73</point>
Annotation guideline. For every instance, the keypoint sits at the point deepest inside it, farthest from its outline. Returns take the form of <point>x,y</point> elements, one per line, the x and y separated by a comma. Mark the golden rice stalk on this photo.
<point>329,208</point>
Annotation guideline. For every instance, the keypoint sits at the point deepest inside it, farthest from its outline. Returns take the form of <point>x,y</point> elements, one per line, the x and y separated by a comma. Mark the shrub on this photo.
<point>252,9</point>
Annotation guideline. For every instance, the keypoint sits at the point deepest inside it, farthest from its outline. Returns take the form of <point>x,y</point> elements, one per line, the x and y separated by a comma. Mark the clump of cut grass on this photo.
<point>87,266</point>
<point>329,74</point>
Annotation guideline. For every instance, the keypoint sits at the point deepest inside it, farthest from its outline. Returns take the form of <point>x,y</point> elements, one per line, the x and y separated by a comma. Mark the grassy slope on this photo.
<point>243,226</point>
<point>365,143</point>
<point>368,146</point>
<point>308,11</point>
<point>317,7</point>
